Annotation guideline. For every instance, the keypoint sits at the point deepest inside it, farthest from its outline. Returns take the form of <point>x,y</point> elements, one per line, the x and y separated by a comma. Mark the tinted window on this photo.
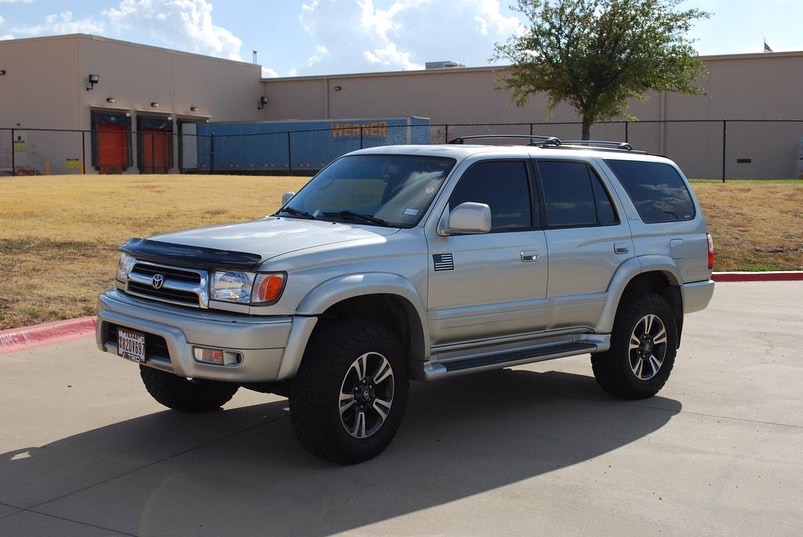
<point>656,189</point>
<point>574,195</point>
<point>503,185</point>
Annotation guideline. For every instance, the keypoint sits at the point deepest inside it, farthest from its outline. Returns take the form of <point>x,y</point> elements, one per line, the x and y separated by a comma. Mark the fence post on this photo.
<point>211,152</point>
<point>724,146</point>
<point>446,134</point>
<point>13,153</point>
<point>83,152</point>
<point>627,131</point>
<point>361,142</point>
<point>289,154</point>
<point>531,129</point>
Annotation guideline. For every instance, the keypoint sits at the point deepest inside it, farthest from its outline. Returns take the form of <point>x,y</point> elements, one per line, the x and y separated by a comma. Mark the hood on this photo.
<point>273,236</point>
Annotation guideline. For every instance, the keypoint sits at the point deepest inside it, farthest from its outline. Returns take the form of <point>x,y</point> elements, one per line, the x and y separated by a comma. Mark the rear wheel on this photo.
<point>184,394</point>
<point>643,349</point>
<point>350,393</point>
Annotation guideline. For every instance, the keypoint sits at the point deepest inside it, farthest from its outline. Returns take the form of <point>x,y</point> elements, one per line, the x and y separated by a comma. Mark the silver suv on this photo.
<point>418,262</point>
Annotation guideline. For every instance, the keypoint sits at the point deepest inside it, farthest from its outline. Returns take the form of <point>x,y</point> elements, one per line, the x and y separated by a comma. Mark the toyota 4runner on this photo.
<point>418,262</point>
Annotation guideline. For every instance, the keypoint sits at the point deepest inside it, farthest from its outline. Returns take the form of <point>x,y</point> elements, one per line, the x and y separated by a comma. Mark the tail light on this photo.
<point>711,255</point>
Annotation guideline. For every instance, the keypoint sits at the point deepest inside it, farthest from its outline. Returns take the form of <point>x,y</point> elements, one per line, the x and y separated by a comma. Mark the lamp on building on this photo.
<point>110,100</point>
<point>193,108</point>
<point>262,102</point>
<point>92,79</point>
<point>154,104</point>
<point>2,72</point>
<point>338,88</point>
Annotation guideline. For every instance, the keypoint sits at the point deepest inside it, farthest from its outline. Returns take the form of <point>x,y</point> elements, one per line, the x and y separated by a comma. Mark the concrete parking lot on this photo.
<point>536,450</point>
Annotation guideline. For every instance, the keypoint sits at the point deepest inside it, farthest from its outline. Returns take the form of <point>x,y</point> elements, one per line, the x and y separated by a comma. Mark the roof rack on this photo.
<point>600,144</point>
<point>545,140</point>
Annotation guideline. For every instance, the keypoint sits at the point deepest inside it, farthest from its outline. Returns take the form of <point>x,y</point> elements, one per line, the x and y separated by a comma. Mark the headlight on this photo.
<point>247,287</point>
<point>124,266</point>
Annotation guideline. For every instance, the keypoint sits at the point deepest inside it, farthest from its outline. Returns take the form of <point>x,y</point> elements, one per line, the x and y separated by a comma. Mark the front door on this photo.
<point>494,284</point>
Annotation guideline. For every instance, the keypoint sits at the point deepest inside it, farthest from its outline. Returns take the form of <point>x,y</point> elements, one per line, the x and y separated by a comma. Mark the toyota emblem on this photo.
<point>158,281</point>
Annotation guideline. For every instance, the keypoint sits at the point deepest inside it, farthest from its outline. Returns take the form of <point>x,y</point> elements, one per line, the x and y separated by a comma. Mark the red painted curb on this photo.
<point>791,276</point>
<point>16,339</point>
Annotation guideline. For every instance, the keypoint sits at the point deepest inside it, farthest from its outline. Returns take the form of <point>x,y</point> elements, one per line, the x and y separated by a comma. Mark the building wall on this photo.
<point>746,87</point>
<point>45,88</point>
<point>46,78</point>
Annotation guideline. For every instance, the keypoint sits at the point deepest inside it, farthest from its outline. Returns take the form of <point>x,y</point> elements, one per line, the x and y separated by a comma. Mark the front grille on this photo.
<point>185,287</point>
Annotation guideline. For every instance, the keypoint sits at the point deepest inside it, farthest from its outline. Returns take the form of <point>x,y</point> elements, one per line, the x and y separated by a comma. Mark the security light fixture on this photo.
<point>154,104</point>
<point>109,100</point>
<point>193,108</point>
<point>262,102</point>
<point>338,88</point>
<point>92,79</point>
<point>2,72</point>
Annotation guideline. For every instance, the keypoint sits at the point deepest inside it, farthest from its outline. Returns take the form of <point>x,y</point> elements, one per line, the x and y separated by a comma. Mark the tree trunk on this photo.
<point>586,128</point>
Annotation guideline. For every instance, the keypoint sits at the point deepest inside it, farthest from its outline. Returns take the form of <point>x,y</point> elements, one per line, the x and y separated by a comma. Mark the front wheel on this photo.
<point>184,394</point>
<point>350,393</point>
<point>643,347</point>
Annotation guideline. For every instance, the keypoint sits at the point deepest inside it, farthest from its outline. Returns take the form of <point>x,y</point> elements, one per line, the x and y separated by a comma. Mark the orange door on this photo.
<point>112,148</point>
<point>155,151</point>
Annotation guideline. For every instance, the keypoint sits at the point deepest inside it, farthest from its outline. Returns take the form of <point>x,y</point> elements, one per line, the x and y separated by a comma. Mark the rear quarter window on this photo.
<point>656,189</point>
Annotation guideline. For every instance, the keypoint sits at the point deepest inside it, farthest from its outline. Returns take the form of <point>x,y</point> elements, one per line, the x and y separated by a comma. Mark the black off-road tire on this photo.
<point>186,395</point>
<point>350,367</point>
<point>643,347</point>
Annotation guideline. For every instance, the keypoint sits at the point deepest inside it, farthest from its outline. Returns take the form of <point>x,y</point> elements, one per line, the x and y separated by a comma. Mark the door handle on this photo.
<point>621,248</point>
<point>529,256</point>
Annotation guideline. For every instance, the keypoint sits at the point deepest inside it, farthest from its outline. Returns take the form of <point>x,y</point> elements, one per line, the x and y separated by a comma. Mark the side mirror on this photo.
<point>468,217</point>
<point>287,196</point>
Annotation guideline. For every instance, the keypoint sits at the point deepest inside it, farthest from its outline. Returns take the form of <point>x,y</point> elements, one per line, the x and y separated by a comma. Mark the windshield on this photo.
<point>381,190</point>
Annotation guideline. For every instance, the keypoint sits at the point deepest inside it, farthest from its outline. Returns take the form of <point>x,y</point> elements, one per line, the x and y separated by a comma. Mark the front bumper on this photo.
<point>270,347</point>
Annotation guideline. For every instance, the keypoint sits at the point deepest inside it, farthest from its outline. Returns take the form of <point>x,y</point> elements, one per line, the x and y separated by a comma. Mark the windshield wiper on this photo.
<point>297,212</point>
<point>351,215</point>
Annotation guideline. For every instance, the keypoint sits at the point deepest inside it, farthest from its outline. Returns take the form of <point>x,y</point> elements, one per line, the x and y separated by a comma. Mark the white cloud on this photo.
<point>182,24</point>
<point>185,25</point>
<point>62,23</point>
<point>366,35</point>
<point>267,72</point>
<point>15,1</point>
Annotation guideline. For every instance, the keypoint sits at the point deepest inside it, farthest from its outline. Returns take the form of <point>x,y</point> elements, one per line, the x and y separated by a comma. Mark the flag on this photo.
<point>767,47</point>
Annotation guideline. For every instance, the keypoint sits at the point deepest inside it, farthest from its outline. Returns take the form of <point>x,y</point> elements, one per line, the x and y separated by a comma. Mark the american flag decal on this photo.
<point>443,261</point>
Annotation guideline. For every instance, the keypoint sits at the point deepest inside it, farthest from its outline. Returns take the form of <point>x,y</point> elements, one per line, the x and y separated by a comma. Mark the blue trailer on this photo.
<point>293,146</point>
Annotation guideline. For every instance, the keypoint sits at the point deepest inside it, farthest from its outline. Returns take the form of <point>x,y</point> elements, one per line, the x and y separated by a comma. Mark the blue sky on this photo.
<point>318,37</point>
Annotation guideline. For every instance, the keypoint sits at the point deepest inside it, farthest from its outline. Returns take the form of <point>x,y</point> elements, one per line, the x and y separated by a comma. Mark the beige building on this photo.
<point>127,106</point>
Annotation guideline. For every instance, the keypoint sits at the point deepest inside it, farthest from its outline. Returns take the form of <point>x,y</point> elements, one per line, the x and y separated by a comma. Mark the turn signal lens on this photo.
<point>268,288</point>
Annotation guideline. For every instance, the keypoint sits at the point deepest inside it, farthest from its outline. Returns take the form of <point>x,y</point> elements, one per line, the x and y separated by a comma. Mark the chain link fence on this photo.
<point>722,149</point>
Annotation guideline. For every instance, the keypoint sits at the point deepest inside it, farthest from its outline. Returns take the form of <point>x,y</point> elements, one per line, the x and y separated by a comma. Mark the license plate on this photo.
<point>131,345</point>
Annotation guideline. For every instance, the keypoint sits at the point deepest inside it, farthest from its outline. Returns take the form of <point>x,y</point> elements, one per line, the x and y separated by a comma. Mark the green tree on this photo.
<point>597,54</point>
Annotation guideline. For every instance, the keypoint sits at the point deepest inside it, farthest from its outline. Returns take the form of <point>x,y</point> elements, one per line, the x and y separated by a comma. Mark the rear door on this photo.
<point>586,238</point>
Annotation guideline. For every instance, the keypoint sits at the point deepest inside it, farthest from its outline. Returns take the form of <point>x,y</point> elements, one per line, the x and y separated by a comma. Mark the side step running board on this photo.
<point>433,370</point>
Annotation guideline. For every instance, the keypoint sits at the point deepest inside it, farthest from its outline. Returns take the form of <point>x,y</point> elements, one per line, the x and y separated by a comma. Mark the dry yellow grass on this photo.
<point>756,225</point>
<point>59,235</point>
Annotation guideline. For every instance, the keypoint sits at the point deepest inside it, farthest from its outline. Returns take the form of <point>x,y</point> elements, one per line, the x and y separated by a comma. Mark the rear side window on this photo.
<point>656,189</point>
<point>574,195</point>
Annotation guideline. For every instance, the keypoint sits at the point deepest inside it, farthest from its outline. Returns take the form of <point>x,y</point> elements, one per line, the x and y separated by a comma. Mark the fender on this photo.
<point>624,275</point>
<point>341,288</point>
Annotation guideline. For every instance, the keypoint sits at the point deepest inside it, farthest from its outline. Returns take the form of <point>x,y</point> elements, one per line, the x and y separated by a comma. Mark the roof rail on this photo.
<point>601,144</point>
<point>544,140</point>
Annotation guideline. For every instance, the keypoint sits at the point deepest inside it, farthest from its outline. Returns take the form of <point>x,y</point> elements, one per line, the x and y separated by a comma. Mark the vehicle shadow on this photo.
<point>241,471</point>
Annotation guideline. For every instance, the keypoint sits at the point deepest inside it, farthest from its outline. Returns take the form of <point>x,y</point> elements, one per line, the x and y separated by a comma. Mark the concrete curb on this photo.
<point>16,339</point>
